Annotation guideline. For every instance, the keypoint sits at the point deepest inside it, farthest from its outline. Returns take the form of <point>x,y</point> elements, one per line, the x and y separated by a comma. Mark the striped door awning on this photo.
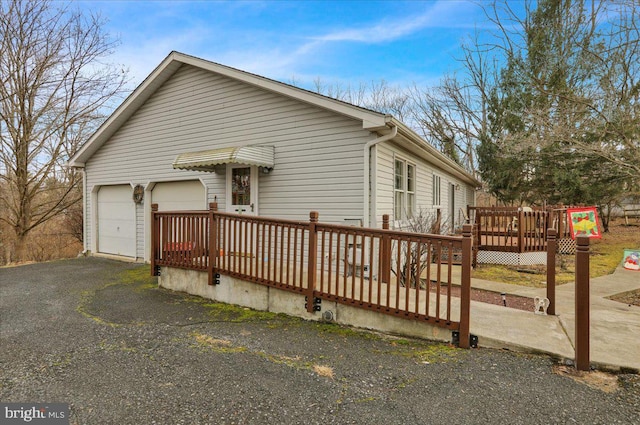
<point>261,156</point>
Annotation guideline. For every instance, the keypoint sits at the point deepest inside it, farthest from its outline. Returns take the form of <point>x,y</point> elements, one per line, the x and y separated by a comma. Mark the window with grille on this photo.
<point>436,190</point>
<point>404,202</point>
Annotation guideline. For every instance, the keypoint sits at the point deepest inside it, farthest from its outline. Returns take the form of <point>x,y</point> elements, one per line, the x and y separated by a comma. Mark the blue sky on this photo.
<point>345,42</point>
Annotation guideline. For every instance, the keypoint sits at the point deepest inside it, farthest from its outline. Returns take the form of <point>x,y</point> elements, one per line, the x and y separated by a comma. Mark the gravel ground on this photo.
<point>629,298</point>
<point>99,335</point>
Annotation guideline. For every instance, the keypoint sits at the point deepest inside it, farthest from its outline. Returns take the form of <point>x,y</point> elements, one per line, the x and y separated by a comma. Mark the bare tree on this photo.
<point>564,122</point>
<point>446,117</point>
<point>54,85</point>
<point>389,99</point>
<point>379,96</point>
<point>409,259</point>
<point>453,115</point>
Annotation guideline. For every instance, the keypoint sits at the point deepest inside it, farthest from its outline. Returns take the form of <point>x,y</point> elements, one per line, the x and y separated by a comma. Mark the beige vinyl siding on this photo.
<point>384,183</point>
<point>448,184</point>
<point>318,153</point>
<point>471,196</point>
<point>322,172</point>
<point>424,184</point>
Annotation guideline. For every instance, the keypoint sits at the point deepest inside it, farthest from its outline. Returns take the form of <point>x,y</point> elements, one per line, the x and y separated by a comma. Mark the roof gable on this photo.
<point>371,120</point>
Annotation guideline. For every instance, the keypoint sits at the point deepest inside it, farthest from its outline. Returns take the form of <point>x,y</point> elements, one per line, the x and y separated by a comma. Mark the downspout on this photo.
<point>367,166</point>
<point>84,212</point>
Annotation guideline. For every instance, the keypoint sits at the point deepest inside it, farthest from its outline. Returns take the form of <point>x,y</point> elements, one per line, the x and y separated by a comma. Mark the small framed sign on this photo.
<point>631,259</point>
<point>584,221</point>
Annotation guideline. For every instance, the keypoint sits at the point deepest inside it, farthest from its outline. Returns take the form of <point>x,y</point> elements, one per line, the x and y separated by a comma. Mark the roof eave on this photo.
<point>371,120</point>
<point>442,161</point>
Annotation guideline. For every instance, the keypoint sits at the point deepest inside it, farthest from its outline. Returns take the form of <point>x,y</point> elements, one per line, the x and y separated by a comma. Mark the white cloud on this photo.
<point>449,14</point>
<point>142,55</point>
<point>273,51</point>
<point>440,14</point>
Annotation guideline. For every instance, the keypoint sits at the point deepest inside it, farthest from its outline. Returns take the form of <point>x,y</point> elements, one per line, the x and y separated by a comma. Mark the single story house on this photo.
<point>196,132</point>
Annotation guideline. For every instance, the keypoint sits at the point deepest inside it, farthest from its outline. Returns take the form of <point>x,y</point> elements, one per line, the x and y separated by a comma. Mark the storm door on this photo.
<point>242,189</point>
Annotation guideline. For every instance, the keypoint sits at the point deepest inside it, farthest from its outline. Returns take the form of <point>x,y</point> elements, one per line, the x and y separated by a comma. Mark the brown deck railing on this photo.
<point>180,240</point>
<point>399,273</point>
<point>262,250</point>
<point>403,274</point>
<point>512,229</point>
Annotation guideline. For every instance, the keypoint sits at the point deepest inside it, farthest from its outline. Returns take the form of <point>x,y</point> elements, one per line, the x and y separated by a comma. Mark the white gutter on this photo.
<point>85,247</point>
<point>367,166</point>
<point>441,160</point>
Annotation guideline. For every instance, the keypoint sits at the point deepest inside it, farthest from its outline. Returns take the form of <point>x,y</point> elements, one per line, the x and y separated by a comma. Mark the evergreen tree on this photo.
<point>555,136</point>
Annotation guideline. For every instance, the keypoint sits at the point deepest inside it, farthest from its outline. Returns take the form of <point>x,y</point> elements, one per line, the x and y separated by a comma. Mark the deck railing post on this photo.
<point>478,227</point>
<point>582,303</point>
<point>551,269</point>
<point>521,227</point>
<point>385,247</point>
<point>465,294</point>
<point>312,260</point>
<point>155,238</point>
<point>213,242</point>
<point>546,224</point>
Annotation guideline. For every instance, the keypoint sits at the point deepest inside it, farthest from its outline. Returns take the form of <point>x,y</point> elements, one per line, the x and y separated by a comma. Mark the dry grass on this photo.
<point>207,340</point>
<point>216,344</point>
<point>50,241</point>
<point>606,255</point>
<point>594,379</point>
<point>325,371</point>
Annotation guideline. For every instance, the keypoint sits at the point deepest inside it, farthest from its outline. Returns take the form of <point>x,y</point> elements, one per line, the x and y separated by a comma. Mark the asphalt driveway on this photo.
<point>98,334</point>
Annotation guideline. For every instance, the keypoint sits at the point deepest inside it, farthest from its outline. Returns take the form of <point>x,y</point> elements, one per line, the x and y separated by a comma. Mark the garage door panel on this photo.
<point>116,221</point>
<point>179,196</point>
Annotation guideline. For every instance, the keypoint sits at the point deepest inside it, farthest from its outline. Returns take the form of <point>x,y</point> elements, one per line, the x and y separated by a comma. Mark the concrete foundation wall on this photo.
<point>264,298</point>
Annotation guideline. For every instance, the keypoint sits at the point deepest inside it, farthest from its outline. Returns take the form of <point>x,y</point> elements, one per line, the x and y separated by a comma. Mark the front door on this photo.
<point>242,189</point>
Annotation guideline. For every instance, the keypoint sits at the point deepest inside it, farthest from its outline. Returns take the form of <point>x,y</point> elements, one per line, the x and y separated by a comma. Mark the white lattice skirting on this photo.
<point>566,246</point>
<point>512,258</point>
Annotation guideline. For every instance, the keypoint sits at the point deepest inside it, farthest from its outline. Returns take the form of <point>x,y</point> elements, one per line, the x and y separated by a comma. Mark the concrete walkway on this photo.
<point>614,329</point>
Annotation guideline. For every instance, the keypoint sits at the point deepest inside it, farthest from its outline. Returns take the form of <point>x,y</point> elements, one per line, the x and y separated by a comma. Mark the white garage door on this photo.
<point>179,196</point>
<point>116,221</point>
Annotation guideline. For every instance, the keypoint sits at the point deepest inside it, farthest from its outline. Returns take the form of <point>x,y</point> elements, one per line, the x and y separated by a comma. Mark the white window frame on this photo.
<point>436,190</point>
<point>411,191</point>
<point>403,195</point>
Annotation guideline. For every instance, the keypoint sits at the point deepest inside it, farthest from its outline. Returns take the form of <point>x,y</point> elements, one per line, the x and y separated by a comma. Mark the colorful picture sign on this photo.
<point>631,259</point>
<point>584,221</point>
